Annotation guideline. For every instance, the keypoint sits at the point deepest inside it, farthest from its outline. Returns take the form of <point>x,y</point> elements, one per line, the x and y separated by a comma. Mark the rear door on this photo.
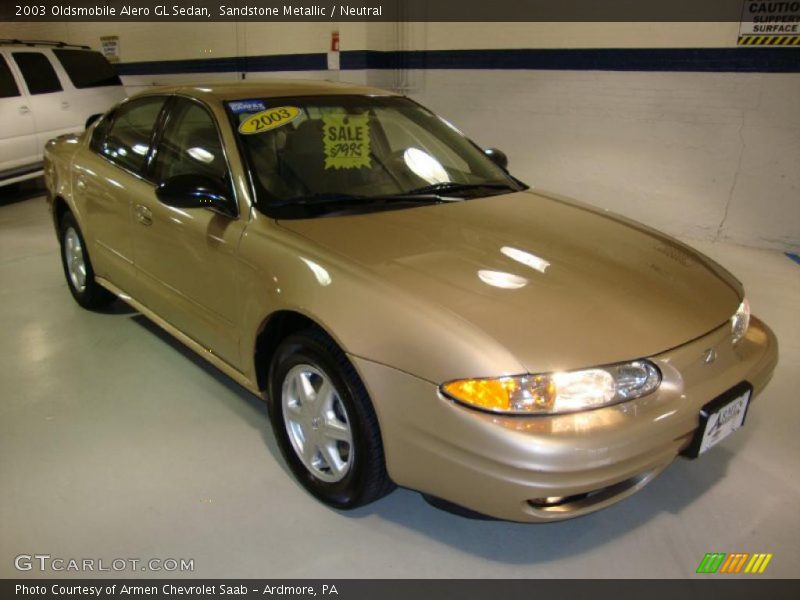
<point>51,107</point>
<point>18,145</point>
<point>109,179</point>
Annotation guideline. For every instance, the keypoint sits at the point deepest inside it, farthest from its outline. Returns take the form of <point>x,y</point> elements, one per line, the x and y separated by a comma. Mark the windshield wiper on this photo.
<point>454,187</point>
<point>334,198</point>
<point>318,199</point>
<point>435,193</point>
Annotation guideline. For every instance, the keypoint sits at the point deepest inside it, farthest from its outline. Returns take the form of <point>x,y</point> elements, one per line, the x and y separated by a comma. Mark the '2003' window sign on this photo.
<point>271,118</point>
<point>770,23</point>
<point>345,140</point>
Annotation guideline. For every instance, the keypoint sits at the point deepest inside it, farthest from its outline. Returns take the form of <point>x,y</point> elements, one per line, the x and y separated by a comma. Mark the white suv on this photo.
<point>47,89</point>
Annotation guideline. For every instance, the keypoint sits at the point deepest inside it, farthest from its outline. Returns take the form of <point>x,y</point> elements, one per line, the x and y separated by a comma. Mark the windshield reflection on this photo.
<point>310,156</point>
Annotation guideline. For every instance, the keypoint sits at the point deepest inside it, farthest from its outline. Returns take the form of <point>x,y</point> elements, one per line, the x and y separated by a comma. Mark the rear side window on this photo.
<point>128,140</point>
<point>39,75</point>
<point>87,69</point>
<point>8,87</point>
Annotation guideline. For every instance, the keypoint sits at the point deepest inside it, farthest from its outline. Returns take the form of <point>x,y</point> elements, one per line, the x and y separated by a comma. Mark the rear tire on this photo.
<point>324,422</point>
<point>78,268</point>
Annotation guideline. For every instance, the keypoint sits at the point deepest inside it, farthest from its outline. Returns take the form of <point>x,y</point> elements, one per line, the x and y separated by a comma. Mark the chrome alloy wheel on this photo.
<point>73,256</point>
<point>317,423</point>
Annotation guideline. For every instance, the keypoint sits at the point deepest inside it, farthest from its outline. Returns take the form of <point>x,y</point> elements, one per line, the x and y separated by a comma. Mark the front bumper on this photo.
<point>505,467</point>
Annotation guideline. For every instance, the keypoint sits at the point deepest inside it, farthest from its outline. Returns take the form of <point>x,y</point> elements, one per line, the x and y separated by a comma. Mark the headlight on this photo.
<point>557,393</point>
<point>740,321</point>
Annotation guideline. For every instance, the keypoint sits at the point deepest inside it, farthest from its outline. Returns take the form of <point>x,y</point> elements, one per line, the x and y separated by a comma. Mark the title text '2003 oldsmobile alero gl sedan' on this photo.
<point>412,313</point>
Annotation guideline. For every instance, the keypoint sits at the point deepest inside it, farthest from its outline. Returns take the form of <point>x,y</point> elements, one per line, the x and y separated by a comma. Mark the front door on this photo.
<point>186,259</point>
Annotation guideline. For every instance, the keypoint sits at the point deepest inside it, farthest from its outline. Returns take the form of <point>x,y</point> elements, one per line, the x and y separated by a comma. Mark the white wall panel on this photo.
<point>300,38</point>
<point>446,36</point>
<point>696,154</point>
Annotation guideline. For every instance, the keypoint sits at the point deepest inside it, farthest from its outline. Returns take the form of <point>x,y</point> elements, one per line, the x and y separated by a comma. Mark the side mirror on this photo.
<point>194,191</point>
<point>498,157</point>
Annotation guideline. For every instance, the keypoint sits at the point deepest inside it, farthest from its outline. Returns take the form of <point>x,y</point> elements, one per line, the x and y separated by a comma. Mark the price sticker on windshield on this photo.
<point>269,119</point>
<point>346,141</point>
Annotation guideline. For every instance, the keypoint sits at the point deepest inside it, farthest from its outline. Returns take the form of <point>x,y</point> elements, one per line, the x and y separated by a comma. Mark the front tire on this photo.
<point>324,422</point>
<point>78,268</point>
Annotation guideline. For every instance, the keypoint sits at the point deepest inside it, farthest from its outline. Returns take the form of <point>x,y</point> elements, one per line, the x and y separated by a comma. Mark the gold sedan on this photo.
<point>412,313</point>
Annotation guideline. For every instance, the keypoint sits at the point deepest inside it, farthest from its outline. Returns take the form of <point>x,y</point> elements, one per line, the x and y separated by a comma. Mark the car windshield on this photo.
<point>321,155</point>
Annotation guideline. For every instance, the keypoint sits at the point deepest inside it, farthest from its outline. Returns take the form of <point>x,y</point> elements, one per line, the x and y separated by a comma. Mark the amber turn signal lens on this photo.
<point>507,394</point>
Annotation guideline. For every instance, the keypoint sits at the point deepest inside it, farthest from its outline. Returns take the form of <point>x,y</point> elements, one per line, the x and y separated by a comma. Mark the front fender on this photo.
<point>367,317</point>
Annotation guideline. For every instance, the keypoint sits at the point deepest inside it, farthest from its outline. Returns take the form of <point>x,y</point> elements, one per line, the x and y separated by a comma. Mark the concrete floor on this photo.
<point>116,442</point>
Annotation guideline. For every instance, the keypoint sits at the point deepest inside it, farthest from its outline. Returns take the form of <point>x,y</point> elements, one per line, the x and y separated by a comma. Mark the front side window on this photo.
<point>38,73</point>
<point>8,87</point>
<point>87,69</point>
<point>190,145</point>
<point>316,155</point>
<point>128,140</point>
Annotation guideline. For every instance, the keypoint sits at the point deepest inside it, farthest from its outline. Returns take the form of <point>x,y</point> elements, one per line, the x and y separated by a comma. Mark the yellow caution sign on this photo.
<point>769,23</point>
<point>769,40</point>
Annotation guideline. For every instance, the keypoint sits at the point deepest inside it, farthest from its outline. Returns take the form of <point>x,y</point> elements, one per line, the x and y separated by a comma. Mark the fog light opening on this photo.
<point>585,500</point>
<point>554,501</point>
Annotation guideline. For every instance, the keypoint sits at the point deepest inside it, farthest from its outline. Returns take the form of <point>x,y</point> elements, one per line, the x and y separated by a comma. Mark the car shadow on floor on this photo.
<point>118,307</point>
<point>241,401</point>
<point>680,485</point>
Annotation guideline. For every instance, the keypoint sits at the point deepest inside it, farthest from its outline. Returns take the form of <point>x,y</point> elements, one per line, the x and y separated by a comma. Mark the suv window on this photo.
<point>128,139</point>
<point>39,75</point>
<point>190,144</point>
<point>87,69</point>
<point>8,87</point>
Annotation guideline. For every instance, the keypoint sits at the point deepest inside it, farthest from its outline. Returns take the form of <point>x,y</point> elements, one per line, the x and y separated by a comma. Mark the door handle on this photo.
<point>24,110</point>
<point>143,215</point>
<point>64,105</point>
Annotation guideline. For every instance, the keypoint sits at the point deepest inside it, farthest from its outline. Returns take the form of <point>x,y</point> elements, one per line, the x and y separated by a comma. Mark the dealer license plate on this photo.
<point>720,418</point>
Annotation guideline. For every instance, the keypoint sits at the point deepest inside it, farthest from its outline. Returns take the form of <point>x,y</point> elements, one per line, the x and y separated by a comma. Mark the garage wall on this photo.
<point>704,155</point>
<point>708,155</point>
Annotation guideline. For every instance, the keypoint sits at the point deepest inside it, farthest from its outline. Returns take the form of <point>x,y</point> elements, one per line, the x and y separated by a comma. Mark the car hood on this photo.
<point>559,284</point>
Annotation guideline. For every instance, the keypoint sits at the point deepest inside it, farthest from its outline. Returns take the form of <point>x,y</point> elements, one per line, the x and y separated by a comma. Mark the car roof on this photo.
<point>274,88</point>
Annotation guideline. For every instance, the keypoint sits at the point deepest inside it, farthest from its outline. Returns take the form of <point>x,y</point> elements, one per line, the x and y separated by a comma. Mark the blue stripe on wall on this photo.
<point>717,60</point>
<point>610,59</point>
<point>281,62</point>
